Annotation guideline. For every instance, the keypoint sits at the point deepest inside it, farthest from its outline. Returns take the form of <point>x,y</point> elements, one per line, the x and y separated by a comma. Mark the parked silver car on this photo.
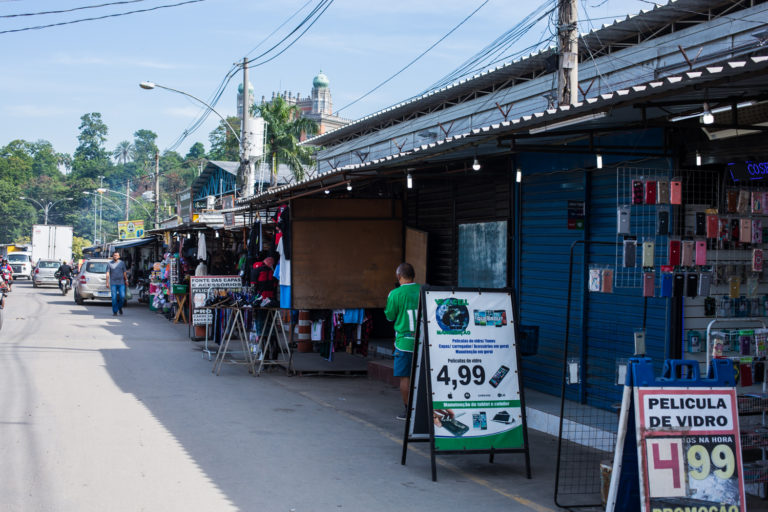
<point>91,282</point>
<point>44,273</point>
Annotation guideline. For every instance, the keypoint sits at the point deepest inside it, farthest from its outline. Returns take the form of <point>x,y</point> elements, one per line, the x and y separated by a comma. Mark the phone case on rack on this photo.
<point>745,373</point>
<point>691,285</point>
<point>674,252</point>
<point>765,202</point>
<point>713,225</point>
<point>701,224</point>
<point>637,192</point>
<point>648,284</point>
<point>757,231</point>
<point>649,248</point>
<point>650,192</point>
<point>745,230</point>
<point>662,222</point>
<point>607,281</point>
<point>666,284</point>
<point>623,216</point>
<point>725,229</point>
<point>686,258</point>
<point>701,252</point>
<point>757,202</point>
<point>743,205</point>
<point>662,192</point>
<point>676,192</point>
<point>678,285</point>
<point>595,276</point>
<point>630,253</point>
<point>735,231</point>
<point>734,287</point>
<point>757,260</point>
<point>733,201</point>
<point>705,283</point>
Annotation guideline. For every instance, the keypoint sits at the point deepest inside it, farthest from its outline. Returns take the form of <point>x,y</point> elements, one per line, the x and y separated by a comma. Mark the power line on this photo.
<point>416,59</point>
<point>39,27</point>
<point>281,26</point>
<point>69,10</point>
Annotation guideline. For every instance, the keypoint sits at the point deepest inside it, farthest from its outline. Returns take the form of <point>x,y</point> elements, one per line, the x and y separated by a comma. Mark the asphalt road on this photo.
<point>103,413</point>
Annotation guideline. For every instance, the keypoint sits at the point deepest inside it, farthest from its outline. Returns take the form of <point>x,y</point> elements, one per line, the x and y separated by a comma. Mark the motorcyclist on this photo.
<point>3,290</point>
<point>65,271</point>
<point>7,271</point>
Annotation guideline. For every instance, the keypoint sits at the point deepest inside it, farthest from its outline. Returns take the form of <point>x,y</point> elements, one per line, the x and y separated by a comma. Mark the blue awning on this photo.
<point>136,242</point>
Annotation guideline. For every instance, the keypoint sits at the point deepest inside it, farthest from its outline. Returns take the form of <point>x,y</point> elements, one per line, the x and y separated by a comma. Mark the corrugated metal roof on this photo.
<point>619,30</point>
<point>605,102</point>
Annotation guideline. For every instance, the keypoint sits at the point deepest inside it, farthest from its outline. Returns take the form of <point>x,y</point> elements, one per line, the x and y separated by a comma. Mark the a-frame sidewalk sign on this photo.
<point>678,445</point>
<point>466,392</point>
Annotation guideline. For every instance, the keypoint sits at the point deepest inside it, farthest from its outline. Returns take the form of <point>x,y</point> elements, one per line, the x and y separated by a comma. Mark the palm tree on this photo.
<point>285,127</point>
<point>123,152</point>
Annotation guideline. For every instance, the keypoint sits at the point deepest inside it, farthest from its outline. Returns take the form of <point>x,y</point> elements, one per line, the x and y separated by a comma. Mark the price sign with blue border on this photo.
<point>689,449</point>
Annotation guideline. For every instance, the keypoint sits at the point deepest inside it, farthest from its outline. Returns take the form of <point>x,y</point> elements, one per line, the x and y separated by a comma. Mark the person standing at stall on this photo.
<point>117,276</point>
<point>402,304</point>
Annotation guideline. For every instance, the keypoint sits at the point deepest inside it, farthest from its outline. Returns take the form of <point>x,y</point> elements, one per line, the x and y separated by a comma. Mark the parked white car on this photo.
<point>21,263</point>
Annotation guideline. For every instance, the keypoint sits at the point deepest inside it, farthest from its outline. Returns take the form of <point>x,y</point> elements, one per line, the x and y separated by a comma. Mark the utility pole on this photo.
<point>568,39</point>
<point>127,199</point>
<point>157,190</point>
<point>245,157</point>
<point>101,208</point>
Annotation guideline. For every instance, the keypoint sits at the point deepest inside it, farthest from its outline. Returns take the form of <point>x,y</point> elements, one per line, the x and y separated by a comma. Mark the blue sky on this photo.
<point>51,77</point>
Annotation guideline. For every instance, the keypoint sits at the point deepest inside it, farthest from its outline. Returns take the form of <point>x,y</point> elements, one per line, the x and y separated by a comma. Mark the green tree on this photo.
<point>145,149</point>
<point>196,152</point>
<point>78,244</point>
<point>123,152</point>
<point>285,127</point>
<point>91,157</point>
<point>224,145</point>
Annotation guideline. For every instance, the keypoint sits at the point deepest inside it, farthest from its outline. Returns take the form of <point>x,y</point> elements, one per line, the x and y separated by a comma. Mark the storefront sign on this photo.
<point>201,287</point>
<point>130,229</point>
<point>473,371</point>
<point>689,449</point>
<point>185,206</point>
<point>748,171</point>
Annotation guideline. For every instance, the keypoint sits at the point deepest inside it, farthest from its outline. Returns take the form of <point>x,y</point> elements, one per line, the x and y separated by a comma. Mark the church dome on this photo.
<point>320,81</point>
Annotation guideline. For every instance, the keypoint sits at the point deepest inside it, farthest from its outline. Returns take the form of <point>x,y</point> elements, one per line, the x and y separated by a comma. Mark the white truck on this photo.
<point>51,243</point>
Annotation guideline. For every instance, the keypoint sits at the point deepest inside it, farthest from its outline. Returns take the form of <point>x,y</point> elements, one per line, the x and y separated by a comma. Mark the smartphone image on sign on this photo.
<point>480,420</point>
<point>454,426</point>
<point>499,376</point>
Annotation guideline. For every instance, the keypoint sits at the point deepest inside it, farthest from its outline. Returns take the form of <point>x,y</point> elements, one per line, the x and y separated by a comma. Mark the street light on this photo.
<point>104,190</point>
<point>152,85</point>
<point>45,207</point>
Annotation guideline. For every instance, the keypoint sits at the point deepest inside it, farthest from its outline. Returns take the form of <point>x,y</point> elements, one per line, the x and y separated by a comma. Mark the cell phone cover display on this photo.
<point>713,225</point>
<point>757,231</point>
<point>745,231</point>
<point>637,192</point>
<point>745,374</point>
<point>649,248</point>
<point>710,304</point>
<point>701,252</point>
<point>701,224</point>
<point>733,201</point>
<point>686,258</point>
<point>725,230</point>
<point>662,192</point>
<point>757,260</point>
<point>678,284</point>
<point>650,192</point>
<point>735,230</point>
<point>607,281</point>
<point>691,284</point>
<point>595,277</point>
<point>752,290</point>
<point>765,202</point>
<point>705,283</point>
<point>743,205</point>
<point>674,252</point>
<point>757,202</point>
<point>734,287</point>
<point>662,221</point>
<point>623,217</point>
<point>629,255</point>
<point>675,191</point>
<point>666,284</point>
<point>648,284</point>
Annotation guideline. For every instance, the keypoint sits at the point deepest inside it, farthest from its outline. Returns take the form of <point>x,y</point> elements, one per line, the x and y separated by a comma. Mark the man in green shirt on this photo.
<point>402,304</point>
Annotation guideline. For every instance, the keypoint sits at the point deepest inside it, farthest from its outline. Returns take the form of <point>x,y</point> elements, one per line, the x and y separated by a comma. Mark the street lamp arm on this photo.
<point>152,85</point>
<point>129,197</point>
<point>33,200</point>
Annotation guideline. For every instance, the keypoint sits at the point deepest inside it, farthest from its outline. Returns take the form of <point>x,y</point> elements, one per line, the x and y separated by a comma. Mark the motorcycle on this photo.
<point>143,291</point>
<point>63,283</point>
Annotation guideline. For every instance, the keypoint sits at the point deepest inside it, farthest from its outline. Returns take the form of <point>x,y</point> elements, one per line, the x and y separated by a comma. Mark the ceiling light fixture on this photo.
<point>519,176</point>
<point>567,122</point>
<point>409,180</point>
<point>698,159</point>
<point>707,117</point>
<point>349,186</point>
<point>599,158</point>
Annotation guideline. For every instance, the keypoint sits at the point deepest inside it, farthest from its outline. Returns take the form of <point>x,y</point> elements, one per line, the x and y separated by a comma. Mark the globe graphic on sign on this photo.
<point>452,317</point>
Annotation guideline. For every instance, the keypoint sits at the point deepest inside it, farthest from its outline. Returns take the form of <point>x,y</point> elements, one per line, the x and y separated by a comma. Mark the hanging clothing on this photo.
<point>284,224</point>
<point>202,250</point>
<point>285,265</point>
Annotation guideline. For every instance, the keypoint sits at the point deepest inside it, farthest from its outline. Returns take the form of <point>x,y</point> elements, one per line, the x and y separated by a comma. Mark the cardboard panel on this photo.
<point>344,263</point>
<point>416,252</point>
